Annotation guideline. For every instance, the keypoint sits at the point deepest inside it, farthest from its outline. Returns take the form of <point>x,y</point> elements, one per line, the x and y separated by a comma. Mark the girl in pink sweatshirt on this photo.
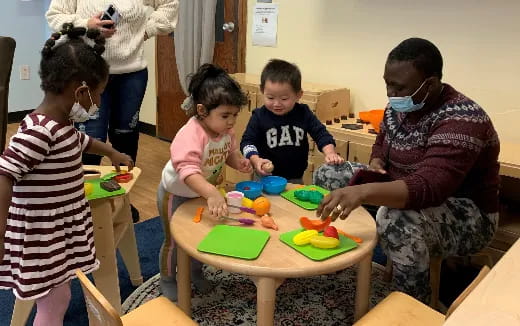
<point>198,154</point>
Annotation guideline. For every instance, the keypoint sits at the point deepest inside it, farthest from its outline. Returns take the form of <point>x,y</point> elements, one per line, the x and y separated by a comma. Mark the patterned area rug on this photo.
<point>320,300</point>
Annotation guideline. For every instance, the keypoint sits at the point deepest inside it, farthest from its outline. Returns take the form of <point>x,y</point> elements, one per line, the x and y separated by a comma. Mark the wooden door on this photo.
<point>229,53</point>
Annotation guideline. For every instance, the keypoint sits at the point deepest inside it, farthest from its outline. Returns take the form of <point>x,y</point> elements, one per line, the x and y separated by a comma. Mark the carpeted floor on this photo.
<point>320,300</point>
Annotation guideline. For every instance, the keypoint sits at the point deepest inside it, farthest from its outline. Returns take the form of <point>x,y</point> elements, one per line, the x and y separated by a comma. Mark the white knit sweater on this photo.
<point>124,50</point>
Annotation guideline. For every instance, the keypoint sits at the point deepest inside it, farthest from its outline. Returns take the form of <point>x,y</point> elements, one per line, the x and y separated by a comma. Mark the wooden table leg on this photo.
<point>364,273</point>
<point>105,278</point>
<point>265,299</point>
<point>128,247</point>
<point>22,310</point>
<point>183,281</point>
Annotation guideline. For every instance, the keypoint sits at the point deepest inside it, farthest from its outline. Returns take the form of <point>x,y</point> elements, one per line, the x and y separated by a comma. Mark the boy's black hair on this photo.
<point>211,86</point>
<point>281,71</point>
<point>72,60</point>
<point>423,54</point>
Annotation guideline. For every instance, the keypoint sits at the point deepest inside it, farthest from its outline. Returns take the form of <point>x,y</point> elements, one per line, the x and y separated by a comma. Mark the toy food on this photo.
<point>246,202</point>
<point>352,237</point>
<point>198,215</point>
<point>110,185</point>
<point>316,224</point>
<point>312,196</point>
<point>123,177</point>
<point>304,237</point>
<point>331,232</point>
<point>89,188</point>
<point>246,221</point>
<point>261,205</point>
<point>268,167</point>
<point>268,222</point>
<point>320,241</point>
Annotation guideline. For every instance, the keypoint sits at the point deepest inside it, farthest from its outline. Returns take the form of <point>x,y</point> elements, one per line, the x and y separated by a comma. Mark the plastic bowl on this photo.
<point>250,189</point>
<point>273,184</point>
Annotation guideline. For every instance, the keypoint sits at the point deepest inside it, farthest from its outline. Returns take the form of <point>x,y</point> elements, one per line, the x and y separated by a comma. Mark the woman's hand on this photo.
<point>377,165</point>
<point>217,205</point>
<point>244,166</point>
<point>119,158</point>
<point>333,158</point>
<point>339,203</point>
<point>95,22</point>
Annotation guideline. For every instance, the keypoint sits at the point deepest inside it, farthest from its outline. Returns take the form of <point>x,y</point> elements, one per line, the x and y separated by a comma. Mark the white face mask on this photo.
<point>78,112</point>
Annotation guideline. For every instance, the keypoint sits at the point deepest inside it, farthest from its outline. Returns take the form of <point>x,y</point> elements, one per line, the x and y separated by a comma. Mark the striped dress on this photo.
<point>49,229</point>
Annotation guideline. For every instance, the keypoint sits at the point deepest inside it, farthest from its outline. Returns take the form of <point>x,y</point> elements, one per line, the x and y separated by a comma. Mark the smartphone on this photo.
<point>367,176</point>
<point>112,14</point>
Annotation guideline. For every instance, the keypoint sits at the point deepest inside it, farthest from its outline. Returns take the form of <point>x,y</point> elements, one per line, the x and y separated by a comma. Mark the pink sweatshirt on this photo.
<point>193,151</point>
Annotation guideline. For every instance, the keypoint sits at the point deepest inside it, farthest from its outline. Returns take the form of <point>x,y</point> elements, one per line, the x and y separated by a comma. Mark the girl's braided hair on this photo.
<point>73,59</point>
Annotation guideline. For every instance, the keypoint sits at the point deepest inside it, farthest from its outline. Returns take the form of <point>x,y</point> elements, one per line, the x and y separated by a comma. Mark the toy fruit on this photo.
<point>331,232</point>
<point>261,205</point>
<point>246,202</point>
<point>268,222</point>
<point>123,177</point>
<point>317,224</point>
<point>268,167</point>
<point>320,241</point>
<point>89,188</point>
<point>304,237</point>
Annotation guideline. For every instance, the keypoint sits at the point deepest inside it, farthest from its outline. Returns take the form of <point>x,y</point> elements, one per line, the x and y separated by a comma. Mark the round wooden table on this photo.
<point>277,261</point>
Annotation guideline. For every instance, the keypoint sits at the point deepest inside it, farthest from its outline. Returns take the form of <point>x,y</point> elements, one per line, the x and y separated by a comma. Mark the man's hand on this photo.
<point>377,165</point>
<point>340,203</point>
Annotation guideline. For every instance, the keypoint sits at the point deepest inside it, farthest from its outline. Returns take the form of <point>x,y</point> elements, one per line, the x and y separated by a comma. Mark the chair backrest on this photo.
<point>100,311</point>
<point>7,46</point>
<point>483,272</point>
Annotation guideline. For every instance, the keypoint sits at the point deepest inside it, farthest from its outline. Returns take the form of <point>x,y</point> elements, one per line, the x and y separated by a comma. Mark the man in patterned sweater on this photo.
<point>441,151</point>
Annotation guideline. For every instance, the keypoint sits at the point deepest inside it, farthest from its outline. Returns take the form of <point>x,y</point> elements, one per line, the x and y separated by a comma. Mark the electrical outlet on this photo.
<point>25,72</point>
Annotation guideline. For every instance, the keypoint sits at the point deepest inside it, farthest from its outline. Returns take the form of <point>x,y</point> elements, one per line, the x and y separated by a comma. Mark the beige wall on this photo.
<point>345,42</point>
<point>148,108</point>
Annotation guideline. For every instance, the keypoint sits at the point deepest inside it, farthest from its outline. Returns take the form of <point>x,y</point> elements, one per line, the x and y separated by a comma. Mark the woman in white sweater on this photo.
<point>121,101</point>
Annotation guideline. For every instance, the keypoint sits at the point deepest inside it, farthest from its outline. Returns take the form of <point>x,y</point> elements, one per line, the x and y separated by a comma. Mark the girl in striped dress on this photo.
<point>45,221</point>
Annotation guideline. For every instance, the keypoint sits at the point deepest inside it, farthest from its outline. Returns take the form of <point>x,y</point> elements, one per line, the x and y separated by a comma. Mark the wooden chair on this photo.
<point>157,312</point>
<point>435,274</point>
<point>401,309</point>
<point>7,47</point>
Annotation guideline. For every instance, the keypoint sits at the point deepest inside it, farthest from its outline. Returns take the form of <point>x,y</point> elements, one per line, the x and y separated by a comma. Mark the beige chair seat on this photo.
<point>400,309</point>
<point>157,312</point>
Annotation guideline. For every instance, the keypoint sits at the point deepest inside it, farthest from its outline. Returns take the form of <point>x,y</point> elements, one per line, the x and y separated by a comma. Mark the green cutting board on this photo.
<point>314,253</point>
<point>99,192</point>
<point>289,195</point>
<point>234,241</point>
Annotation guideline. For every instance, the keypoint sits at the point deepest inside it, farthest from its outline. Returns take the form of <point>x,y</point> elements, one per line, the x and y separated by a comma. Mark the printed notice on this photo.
<point>265,24</point>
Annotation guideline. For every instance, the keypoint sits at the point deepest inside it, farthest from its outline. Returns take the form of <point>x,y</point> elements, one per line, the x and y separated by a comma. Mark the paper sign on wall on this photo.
<point>265,24</point>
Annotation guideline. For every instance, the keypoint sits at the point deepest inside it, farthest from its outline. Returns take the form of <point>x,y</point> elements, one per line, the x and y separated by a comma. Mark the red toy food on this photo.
<point>123,177</point>
<point>331,232</point>
<point>317,224</point>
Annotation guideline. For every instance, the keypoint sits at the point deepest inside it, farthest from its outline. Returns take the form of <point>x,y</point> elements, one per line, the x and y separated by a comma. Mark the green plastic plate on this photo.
<point>289,195</point>
<point>99,192</point>
<point>314,253</point>
<point>234,241</point>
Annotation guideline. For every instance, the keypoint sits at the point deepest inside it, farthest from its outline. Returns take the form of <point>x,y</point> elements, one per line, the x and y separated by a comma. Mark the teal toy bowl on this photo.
<point>273,185</point>
<point>250,189</point>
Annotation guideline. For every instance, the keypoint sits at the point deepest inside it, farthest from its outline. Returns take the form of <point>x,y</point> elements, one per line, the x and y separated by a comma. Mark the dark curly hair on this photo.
<point>73,59</point>
<point>423,54</point>
<point>211,86</point>
<point>281,71</point>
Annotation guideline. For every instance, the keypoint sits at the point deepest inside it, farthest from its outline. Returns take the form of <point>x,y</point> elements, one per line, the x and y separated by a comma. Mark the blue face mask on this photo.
<point>405,103</point>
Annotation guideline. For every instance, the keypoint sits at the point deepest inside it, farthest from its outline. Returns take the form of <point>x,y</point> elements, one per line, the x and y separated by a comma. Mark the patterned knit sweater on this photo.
<point>124,50</point>
<point>449,150</point>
